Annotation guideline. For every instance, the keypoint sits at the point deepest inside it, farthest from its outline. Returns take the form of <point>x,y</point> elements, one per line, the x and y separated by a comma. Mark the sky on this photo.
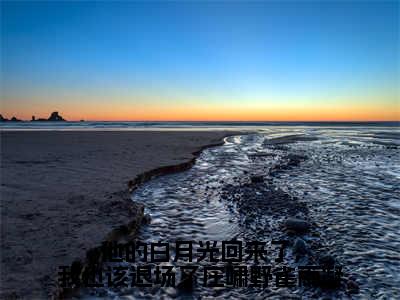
<point>209,61</point>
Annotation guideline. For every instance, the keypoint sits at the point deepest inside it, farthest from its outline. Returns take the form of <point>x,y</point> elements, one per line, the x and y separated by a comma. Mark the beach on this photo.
<point>64,192</point>
<point>330,193</point>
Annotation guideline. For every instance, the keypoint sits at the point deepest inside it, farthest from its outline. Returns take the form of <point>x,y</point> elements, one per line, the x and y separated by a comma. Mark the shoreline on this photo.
<point>128,232</point>
<point>117,201</point>
<point>165,170</point>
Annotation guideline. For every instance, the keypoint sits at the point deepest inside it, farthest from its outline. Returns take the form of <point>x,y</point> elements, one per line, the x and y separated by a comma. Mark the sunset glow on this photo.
<point>336,61</point>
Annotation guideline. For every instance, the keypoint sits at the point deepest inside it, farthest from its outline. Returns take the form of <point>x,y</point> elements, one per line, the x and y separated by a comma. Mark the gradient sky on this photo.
<point>263,61</point>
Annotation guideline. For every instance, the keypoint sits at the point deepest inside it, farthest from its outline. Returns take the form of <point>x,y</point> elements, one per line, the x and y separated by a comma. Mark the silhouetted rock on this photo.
<point>3,119</point>
<point>55,117</point>
<point>14,119</point>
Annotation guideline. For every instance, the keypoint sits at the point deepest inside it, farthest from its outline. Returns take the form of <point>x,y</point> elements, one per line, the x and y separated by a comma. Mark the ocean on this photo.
<point>120,125</point>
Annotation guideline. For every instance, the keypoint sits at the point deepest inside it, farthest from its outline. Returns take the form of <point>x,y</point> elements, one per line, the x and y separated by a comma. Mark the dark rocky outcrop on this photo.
<point>13,119</point>
<point>55,117</point>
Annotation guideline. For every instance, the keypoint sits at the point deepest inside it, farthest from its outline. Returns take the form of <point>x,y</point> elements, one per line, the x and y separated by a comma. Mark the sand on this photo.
<point>63,192</point>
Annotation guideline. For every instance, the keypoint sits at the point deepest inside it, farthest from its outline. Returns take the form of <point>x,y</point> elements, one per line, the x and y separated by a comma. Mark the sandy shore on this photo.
<point>62,193</point>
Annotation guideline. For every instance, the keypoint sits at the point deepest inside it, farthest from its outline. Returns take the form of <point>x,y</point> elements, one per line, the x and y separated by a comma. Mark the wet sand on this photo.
<point>63,193</point>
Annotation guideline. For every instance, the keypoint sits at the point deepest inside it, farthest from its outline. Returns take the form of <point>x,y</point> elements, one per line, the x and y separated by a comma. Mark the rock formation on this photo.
<point>55,117</point>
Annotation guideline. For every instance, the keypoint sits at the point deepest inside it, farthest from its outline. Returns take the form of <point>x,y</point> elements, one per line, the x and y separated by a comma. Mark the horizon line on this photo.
<point>218,121</point>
